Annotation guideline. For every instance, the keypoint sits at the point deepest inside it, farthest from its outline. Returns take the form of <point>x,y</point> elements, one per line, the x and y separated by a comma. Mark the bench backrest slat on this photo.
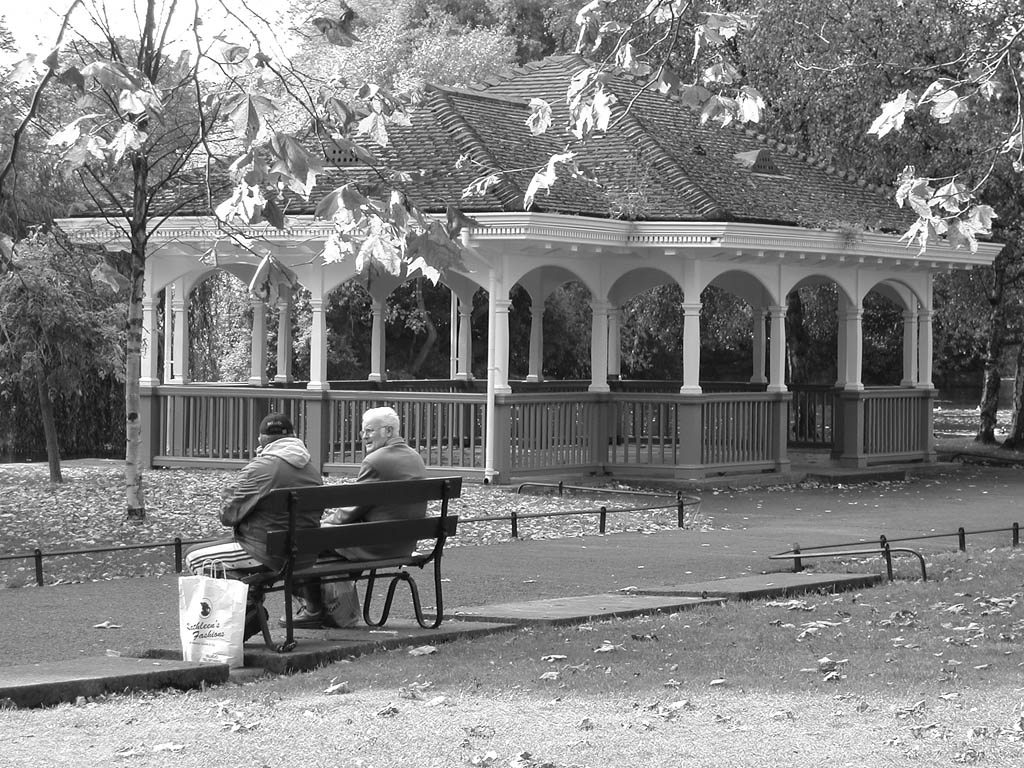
<point>315,540</point>
<point>320,497</point>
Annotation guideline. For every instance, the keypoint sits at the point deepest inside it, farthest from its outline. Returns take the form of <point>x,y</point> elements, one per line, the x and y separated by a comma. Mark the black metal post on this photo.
<point>39,566</point>
<point>961,536</point>
<point>888,560</point>
<point>797,563</point>
<point>177,554</point>
<point>515,524</point>
<point>680,510</point>
<point>561,484</point>
<point>604,518</point>
<point>1016,534</point>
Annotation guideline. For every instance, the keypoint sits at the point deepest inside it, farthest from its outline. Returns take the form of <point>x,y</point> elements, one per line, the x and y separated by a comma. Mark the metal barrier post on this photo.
<point>604,519</point>
<point>39,566</point>
<point>561,486</point>
<point>961,536</point>
<point>888,560</point>
<point>1016,534</point>
<point>515,524</point>
<point>177,554</point>
<point>680,510</point>
<point>797,563</point>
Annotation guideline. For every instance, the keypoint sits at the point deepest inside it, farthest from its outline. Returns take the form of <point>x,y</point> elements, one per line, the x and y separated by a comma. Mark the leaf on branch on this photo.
<point>627,59</point>
<point>893,114</point>
<point>114,75</point>
<point>720,109</point>
<point>540,117</point>
<point>380,248</point>
<point>247,112</point>
<point>946,105</point>
<point>751,105</point>
<point>723,73</point>
<point>544,178</point>
<point>23,72</point>
<point>950,197</point>
<point>603,101</point>
<point>481,185</point>
<point>694,96</point>
<point>668,81</point>
<point>72,77</point>
<point>128,139</point>
<point>666,10</point>
<point>337,31</point>
<point>269,277</point>
<point>294,164</point>
<point>374,126</point>
<point>70,133</point>
<point>139,101</point>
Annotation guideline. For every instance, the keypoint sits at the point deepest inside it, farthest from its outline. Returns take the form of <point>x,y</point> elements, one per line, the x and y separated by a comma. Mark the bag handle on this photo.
<point>211,566</point>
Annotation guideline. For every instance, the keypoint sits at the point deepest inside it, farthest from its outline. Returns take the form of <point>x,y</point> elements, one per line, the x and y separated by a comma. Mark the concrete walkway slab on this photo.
<point>317,647</point>
<point>55,682</point>
<point>780,584</point>
<point>579,609</point>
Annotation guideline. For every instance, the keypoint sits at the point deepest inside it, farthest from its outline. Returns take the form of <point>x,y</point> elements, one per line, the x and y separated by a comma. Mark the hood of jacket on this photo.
<point>289,449</point>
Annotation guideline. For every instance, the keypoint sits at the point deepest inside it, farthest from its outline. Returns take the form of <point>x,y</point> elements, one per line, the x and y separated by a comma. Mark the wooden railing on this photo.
<point>447,429</point>
<point>656,434</point>
<point>897,422</point>
<point>552,432</point>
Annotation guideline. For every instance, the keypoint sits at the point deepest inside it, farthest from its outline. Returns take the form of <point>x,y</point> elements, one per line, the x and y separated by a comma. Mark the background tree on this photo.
<point>58,333</point>
<point>173,100</point>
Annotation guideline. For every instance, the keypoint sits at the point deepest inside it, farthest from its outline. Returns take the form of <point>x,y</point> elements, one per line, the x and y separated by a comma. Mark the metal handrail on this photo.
<point>885,548</point>
<point>885,551</point>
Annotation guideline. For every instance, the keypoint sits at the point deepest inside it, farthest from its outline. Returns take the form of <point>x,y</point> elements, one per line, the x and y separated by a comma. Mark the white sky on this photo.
<point>35,24</point>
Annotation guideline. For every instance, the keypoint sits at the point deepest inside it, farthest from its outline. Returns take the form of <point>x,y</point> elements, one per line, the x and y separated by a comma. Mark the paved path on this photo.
<point>741,528</point>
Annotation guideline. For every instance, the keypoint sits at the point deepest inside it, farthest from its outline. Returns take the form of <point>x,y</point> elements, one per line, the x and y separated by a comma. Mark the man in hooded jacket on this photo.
<point>282,461</point>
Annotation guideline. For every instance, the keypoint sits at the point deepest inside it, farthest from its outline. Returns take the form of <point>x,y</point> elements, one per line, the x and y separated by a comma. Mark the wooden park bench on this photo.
<point>303,543</point>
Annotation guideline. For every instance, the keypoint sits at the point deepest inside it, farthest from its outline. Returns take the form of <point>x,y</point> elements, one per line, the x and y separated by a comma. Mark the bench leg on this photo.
<point>389,599</point>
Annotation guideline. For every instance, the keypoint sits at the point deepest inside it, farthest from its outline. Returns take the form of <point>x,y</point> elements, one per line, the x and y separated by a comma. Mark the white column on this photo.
<point>777,350</point>
<point>536,344</point>
<point>181,341</point>
<point>501,346</point>
<point>168,334</point>
<point>691,349</point>
<point>840,349</point>
<point>615,344</point>
<point>760,347</point>
<point>924,375</point>
<point>258,345</point>
<point>284,341</point>
<point>909,348</point>
<point>599,346</point>
<point>377,369</point>
<point>150,370</point>
<point>453,336</point>
<point>853,347</point>
<point>318,346</point>
<point>464,371</point>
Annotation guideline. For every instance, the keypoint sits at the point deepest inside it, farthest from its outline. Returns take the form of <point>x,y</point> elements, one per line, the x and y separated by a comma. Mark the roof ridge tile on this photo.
<point>469,142</point>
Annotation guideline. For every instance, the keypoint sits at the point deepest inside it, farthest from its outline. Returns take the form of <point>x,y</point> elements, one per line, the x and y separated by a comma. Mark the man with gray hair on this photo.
<point>386,457</point>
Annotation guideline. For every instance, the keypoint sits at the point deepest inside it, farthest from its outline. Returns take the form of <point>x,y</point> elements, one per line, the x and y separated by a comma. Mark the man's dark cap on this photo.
<point>276,424</point>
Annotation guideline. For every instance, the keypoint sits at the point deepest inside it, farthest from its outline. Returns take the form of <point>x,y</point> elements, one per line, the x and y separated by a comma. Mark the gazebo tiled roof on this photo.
<point>657,163</point>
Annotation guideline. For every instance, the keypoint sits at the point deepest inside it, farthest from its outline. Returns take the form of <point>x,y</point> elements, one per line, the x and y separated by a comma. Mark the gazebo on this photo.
<point>680,203</point>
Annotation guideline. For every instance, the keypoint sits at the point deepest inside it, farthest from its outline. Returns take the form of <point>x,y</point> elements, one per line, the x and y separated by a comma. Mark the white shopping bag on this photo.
<point>341,604</point>
<point>211,618</point>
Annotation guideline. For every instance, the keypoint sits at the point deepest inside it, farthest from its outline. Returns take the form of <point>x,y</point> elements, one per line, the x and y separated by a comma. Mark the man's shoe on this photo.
<point>304,619</point>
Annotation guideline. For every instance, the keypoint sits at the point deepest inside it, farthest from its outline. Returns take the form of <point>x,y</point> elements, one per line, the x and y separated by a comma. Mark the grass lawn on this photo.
<point>905,673</point>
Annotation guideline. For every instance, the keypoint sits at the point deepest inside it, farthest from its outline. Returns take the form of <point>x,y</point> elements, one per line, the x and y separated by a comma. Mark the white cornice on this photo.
<point>734,241</point>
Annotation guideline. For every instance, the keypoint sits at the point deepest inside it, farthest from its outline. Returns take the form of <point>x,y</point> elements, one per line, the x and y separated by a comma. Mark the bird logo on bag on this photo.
<point>205,609</point>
